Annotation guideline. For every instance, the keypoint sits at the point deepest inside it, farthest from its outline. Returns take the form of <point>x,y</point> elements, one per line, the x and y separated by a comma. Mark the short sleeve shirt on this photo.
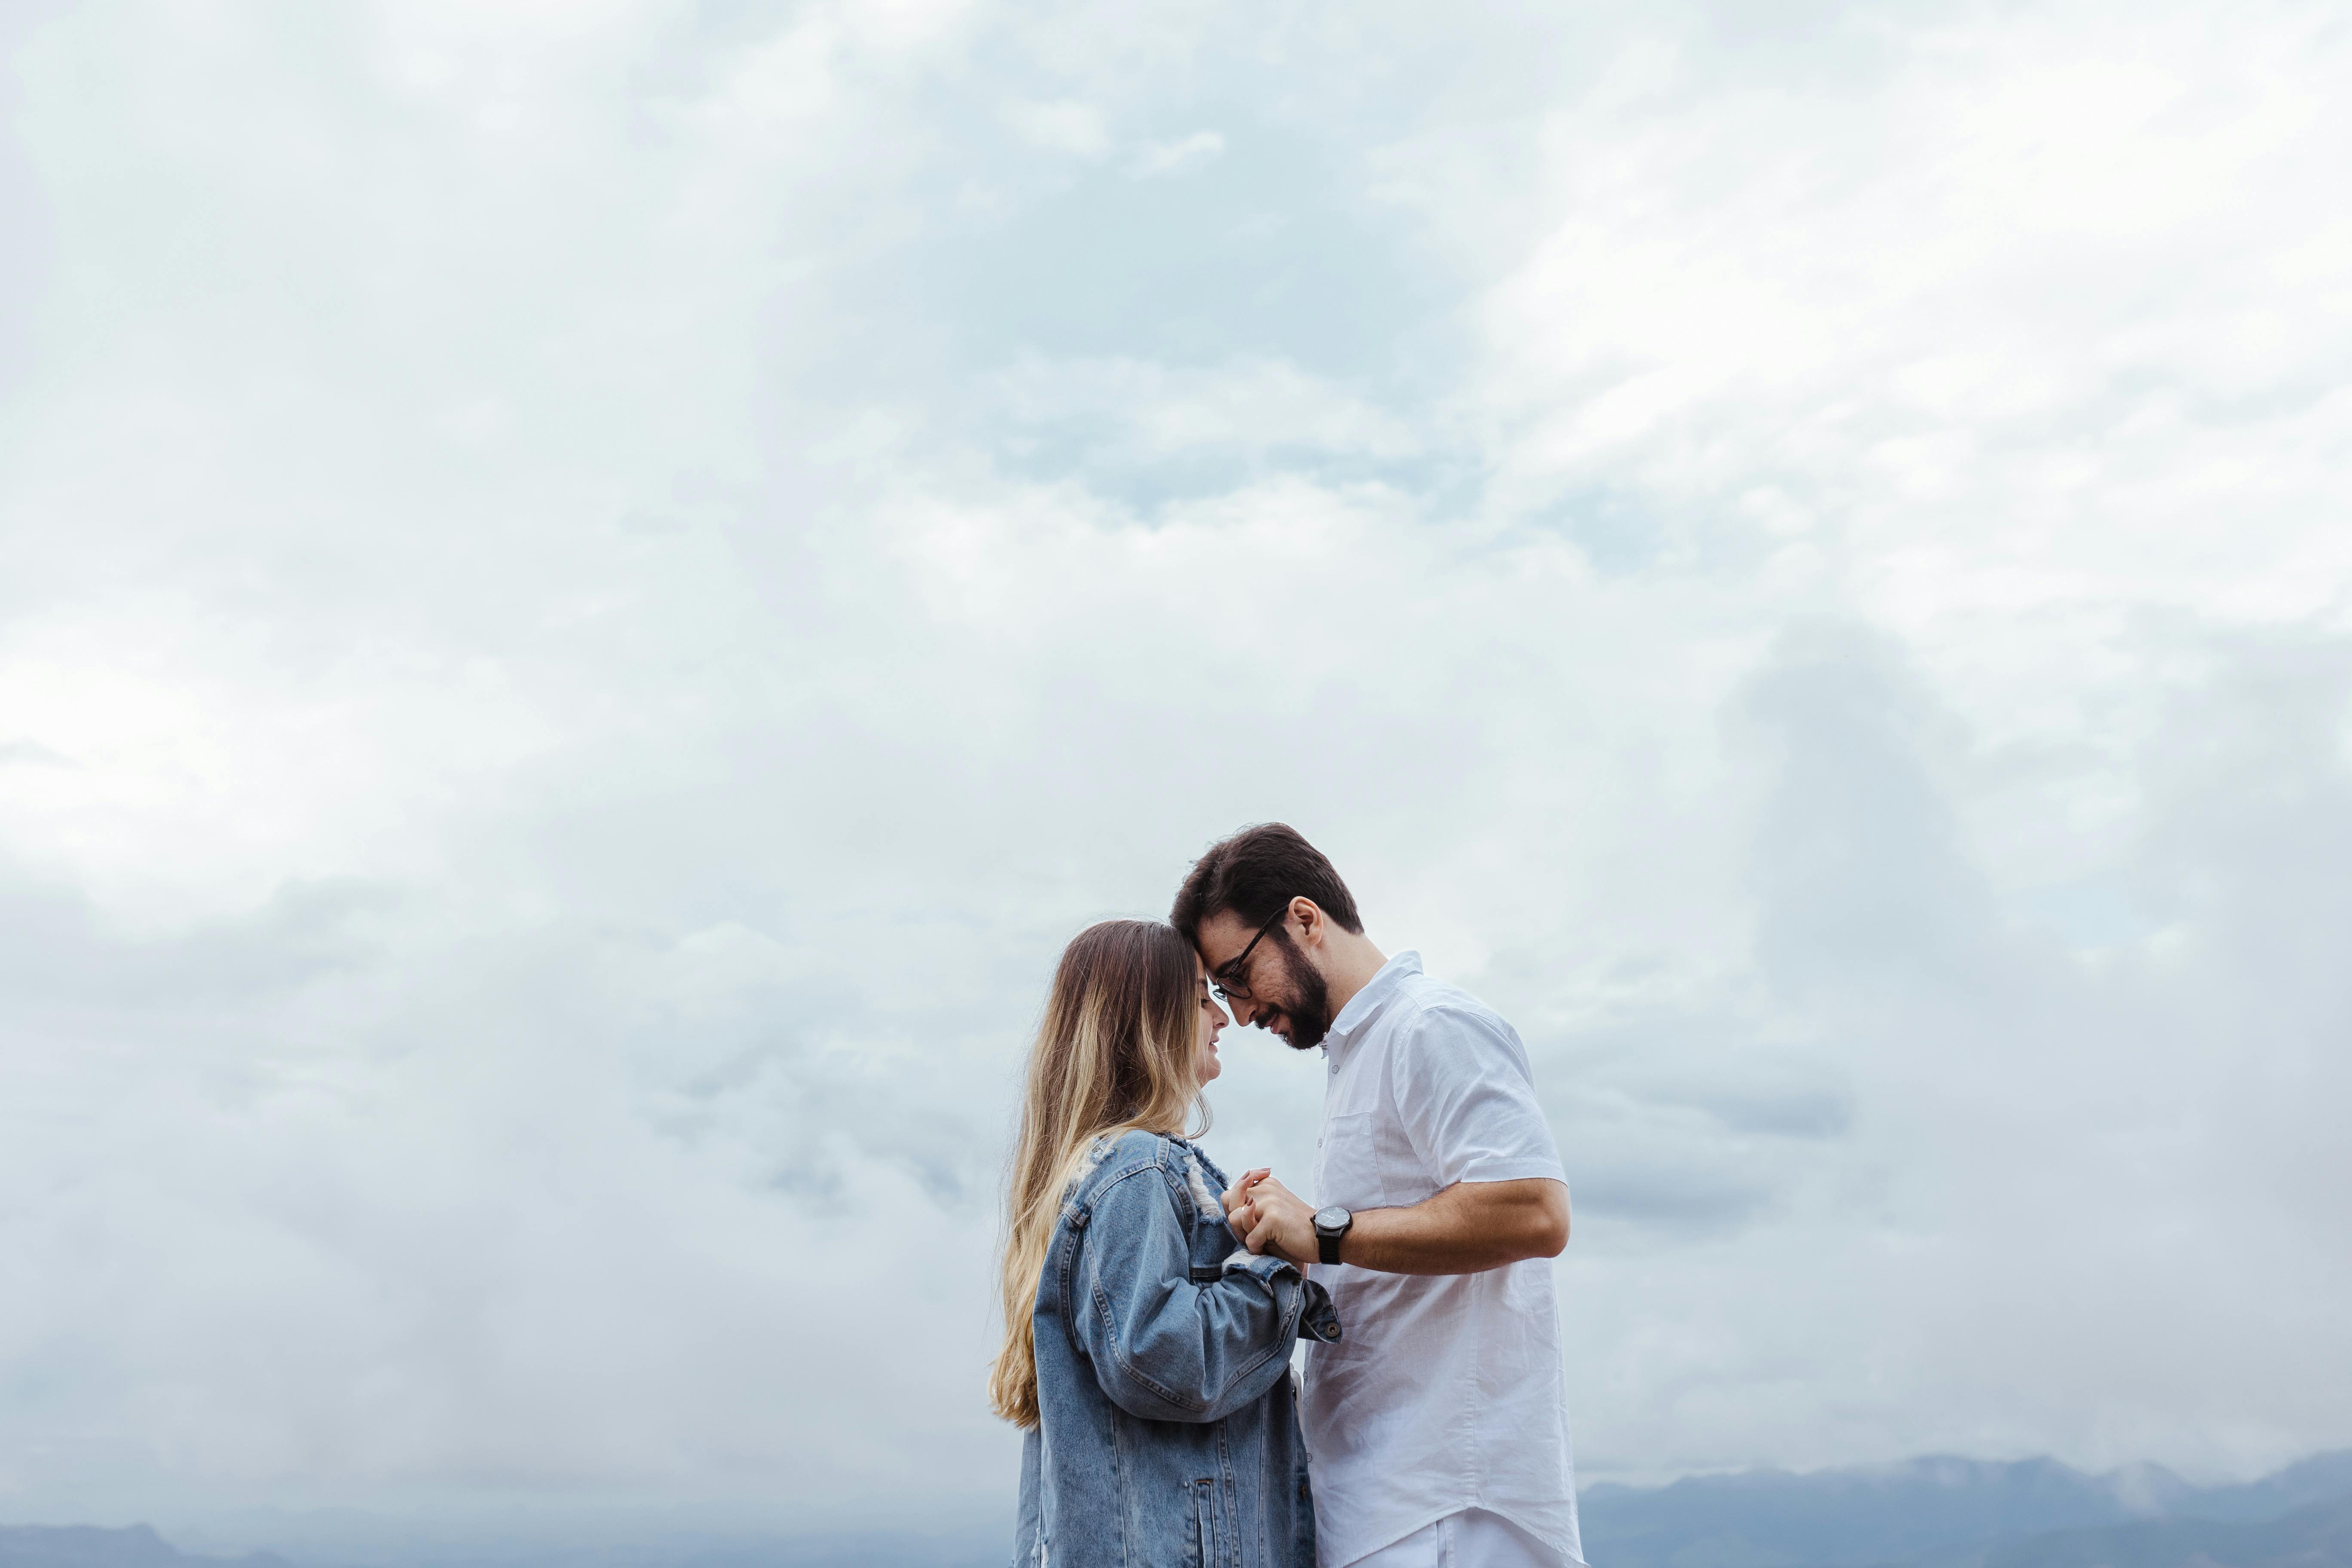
<point>1445,1392</point>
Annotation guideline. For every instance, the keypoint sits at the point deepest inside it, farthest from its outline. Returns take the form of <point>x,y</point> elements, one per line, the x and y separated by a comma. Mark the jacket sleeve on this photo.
<point>1163,1347</point>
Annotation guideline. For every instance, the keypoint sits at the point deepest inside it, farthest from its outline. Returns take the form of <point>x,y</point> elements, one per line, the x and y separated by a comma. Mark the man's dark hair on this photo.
<point>1254,873</point>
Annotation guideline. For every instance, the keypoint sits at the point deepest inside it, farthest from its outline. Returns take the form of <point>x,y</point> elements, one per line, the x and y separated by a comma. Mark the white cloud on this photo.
<point>1144,411</point>
<point>1159,158</point>
<point>1063,127</point>
<point>598,642</point>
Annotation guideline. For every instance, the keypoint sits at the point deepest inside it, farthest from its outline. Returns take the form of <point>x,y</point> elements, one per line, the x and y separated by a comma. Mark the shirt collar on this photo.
<point>1365,1003</point>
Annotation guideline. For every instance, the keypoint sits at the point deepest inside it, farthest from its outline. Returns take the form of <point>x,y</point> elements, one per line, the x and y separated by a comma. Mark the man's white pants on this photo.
<point>1472,1539</point>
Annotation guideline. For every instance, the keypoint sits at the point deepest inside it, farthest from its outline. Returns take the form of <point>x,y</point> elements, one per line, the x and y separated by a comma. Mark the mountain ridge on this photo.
<point>94,1546</point>
<point>1934,1511</point>
<point>1949,1511</point>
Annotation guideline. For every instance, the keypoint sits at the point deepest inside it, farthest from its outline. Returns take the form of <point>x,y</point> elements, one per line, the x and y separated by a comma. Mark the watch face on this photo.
<point>1331,1218</point>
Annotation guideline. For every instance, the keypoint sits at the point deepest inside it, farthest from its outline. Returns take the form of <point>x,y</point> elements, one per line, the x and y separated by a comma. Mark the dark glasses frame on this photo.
<point>1227,984</point>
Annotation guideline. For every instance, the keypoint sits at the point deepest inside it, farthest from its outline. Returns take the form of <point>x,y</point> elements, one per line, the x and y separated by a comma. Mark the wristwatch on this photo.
<point>1330,1225</point>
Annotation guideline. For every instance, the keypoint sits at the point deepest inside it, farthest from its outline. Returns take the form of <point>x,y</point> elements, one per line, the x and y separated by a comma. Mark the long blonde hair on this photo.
<point>1114,1052</point>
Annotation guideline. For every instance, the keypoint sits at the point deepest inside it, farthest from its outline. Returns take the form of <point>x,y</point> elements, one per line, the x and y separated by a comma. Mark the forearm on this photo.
<point>1197,1352</point>
<point>1467,1229</point>
<point>1165,1344</point>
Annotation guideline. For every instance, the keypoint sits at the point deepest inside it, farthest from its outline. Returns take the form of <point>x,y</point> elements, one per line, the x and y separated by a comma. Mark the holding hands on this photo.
<point>1267,1216</point>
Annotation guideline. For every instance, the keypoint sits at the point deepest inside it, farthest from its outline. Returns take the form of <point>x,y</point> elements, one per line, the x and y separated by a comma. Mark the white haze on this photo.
<point>591,591</point>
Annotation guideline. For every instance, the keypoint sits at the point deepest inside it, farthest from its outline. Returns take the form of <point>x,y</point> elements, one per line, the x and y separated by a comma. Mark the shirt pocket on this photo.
<point>1347,1169</point>
<point>1403,1179</point>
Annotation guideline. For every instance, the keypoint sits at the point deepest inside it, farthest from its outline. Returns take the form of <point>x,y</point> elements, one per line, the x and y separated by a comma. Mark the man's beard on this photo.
<point>1308,1004</point>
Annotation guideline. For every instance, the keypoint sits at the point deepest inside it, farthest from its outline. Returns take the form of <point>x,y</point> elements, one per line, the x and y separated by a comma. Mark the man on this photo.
<point>1437,1425</point>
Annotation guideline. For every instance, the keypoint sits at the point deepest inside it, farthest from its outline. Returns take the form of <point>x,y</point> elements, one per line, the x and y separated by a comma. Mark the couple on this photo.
<point>1148,1355</point>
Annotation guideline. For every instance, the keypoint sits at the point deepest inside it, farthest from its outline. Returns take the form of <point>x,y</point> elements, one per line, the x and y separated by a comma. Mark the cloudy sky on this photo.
<point>590,589</point>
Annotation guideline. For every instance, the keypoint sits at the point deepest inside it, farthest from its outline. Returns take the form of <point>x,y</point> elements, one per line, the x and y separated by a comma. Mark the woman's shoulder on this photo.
<point>1188,1182</point>
<point>1114,1155</point>
<point>1125,1150</point>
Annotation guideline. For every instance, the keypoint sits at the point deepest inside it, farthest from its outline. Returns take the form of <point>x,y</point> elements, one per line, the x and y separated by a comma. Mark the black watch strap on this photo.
<point>1327,1239</point>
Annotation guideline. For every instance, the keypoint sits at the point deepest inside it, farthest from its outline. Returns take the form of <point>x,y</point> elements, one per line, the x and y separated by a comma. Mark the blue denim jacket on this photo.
<point>1168,1432</point>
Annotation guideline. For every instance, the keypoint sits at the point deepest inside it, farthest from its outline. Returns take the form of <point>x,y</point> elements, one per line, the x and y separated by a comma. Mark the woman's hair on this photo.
<point>1114,1053</point>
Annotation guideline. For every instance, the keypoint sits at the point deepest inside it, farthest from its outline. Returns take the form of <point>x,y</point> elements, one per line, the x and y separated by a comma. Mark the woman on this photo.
<point>1147,1355</point>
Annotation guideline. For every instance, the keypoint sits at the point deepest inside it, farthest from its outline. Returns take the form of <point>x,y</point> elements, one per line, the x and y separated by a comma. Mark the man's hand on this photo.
<point>1270,1218</point>
<point>1236,1195</point>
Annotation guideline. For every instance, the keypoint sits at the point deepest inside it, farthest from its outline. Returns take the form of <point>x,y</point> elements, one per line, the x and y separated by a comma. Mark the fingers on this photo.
<point>1257,1207</point>
<point>1238,1194</point>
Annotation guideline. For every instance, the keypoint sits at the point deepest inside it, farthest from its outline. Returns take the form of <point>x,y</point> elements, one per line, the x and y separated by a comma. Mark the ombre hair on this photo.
<point>1114,1054</point>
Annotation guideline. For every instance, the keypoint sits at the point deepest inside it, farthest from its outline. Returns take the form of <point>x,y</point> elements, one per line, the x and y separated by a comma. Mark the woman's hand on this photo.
<point>1238,1199</point>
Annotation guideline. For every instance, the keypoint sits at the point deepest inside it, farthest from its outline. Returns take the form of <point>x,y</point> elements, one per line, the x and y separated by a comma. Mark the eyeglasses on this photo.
<point>1227,984</point>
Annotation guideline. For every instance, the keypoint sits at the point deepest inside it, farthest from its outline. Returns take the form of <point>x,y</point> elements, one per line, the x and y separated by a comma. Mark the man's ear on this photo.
<point>1309,916</point>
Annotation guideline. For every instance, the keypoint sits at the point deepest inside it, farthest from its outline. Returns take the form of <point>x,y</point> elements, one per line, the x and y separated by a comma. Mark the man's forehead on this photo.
<point>1222,936</point>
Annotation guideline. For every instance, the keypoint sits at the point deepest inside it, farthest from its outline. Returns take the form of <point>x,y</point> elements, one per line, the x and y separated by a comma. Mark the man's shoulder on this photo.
<point>1443,1030</point>
<point>1423,1003</point>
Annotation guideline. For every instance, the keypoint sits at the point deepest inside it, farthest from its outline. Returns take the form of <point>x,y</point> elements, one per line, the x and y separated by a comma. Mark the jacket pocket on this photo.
<point>1212,1537</point>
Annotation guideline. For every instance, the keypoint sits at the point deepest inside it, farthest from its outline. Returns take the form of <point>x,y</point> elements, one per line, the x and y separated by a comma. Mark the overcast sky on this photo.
<point>592,590</point>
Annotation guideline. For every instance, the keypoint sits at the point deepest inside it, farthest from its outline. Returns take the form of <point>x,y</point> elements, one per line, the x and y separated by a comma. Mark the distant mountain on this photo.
<point>864,1551</point>
<point>1770,1519</point>
<point>2318,1537</point>
<point>1926,1513</point>
<point>2322,1478</point>
<point>85,1546</point>
<point>1957,1513</point>
<point>141,1547</point>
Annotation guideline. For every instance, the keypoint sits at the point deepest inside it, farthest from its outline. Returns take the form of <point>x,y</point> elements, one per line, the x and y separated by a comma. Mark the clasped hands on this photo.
<point>1267,1216</point>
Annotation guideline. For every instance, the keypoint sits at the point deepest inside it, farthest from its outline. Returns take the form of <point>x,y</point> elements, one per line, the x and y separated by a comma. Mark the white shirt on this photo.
<point>1473,1538</point>
<point>1444,1392</point>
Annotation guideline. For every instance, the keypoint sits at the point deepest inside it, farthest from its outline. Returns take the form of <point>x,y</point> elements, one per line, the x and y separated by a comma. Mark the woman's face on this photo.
<point>1205,1065</point>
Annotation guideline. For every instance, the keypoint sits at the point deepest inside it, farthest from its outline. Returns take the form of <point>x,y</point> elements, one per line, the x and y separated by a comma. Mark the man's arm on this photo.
<point>1467,1229</point>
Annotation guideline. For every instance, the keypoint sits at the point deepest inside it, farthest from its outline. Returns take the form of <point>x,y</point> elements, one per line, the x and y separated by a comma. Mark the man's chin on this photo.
<point>1289,1032</point>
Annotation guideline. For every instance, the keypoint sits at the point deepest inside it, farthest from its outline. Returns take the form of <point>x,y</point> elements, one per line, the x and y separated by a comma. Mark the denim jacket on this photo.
<point>1169,1431</point>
